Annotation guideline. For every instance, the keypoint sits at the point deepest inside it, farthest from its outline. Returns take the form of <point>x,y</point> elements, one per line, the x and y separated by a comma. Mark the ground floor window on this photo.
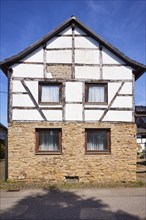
<point>97,140</point>
<point>48,140</point>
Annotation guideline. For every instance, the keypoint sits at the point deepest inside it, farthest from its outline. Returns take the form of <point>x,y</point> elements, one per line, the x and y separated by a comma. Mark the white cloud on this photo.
<point>97,7</point>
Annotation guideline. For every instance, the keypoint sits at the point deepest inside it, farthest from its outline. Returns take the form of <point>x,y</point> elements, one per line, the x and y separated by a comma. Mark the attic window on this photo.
<point>49,93</point>
<point>96,93</point>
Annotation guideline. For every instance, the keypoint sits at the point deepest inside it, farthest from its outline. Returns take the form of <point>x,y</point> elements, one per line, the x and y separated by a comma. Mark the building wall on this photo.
<point>141,140</point>
<point>24,164</point>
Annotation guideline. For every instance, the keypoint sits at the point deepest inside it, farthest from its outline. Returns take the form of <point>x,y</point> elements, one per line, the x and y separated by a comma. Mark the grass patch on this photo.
<point>8,185</point>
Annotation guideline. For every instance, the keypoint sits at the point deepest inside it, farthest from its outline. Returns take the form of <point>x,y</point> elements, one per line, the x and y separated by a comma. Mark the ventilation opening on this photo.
<point>72,179</point>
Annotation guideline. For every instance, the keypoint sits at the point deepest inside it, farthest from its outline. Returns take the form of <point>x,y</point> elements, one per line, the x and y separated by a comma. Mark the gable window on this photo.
<point>48,141</point>
<point>96,93</point>
<point>97,140</point>
<point>49,93</point>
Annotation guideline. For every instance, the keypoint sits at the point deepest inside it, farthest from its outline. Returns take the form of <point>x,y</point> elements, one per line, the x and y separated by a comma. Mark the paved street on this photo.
<point>100,204</point>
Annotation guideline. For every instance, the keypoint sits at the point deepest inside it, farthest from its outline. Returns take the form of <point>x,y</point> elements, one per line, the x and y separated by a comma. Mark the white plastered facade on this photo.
<point>87,67</point>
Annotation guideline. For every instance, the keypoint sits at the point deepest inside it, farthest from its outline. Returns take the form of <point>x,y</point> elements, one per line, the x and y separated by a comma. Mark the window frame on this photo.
<point>49,84</point>
<point>108,151</point>
<point>37,151</point>
<point>105,85</point>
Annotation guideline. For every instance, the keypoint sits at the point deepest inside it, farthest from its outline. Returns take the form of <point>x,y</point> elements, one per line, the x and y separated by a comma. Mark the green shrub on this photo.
<point>2,149</point>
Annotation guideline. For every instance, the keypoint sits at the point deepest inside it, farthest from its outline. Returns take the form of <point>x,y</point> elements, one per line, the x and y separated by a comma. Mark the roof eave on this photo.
<point>139,72</point>
<point>5,69</point>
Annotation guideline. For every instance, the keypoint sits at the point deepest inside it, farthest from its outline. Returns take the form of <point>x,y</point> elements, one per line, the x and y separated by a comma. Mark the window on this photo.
<point>49,93</point>
<point>97,140</point>
<point>96,93</point>
<point>48,141</point>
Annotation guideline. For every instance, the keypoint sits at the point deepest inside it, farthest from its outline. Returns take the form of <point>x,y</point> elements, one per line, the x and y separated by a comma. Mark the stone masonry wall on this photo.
<point>24,165</point>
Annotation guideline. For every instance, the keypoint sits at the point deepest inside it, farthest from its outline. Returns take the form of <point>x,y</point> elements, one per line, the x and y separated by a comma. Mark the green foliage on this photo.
<point>2,149</point>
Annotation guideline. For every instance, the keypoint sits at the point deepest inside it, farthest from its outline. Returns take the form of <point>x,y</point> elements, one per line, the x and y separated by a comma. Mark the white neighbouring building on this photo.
<point>71,109</point>
<point>140,115</point>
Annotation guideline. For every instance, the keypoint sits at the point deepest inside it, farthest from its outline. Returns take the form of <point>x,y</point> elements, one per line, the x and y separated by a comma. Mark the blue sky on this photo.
<point>121,23</point>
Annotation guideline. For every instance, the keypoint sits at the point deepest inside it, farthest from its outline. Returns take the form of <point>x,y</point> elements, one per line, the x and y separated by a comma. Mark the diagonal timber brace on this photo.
<point>113,99</point>
<point>33,100</point>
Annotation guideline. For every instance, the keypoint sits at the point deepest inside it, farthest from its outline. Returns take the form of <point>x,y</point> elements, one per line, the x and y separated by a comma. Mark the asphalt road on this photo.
<point>99,204</point>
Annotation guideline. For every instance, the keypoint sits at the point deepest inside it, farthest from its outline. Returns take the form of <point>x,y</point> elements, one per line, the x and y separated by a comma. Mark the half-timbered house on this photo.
<point>71,109</point>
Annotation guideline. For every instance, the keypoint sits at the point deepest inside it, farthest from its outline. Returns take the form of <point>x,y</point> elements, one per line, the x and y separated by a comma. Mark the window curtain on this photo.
<point>96,94</point>
<point>48,141</point>
<point>50,94</point>
<point>96,141</point>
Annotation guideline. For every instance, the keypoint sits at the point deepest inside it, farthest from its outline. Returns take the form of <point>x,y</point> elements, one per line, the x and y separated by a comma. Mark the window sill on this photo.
<point>50,103</point>
<point>97,153</point>
<point>48,153</point>
<point>96,103</point>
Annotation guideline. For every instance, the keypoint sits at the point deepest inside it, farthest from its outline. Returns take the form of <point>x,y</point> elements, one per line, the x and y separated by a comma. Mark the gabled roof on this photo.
<point>139,68</point>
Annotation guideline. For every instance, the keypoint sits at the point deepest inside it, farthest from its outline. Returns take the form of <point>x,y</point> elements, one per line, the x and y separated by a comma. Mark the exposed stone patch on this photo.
<point>60,71</point>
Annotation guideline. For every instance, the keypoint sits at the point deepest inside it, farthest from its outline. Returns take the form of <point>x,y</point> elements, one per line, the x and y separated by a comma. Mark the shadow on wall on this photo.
<point>57,204</point>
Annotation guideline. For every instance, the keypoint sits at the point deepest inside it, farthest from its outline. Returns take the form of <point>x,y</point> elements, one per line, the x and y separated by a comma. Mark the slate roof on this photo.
<point>139,68</point>
<point>140,109</point>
